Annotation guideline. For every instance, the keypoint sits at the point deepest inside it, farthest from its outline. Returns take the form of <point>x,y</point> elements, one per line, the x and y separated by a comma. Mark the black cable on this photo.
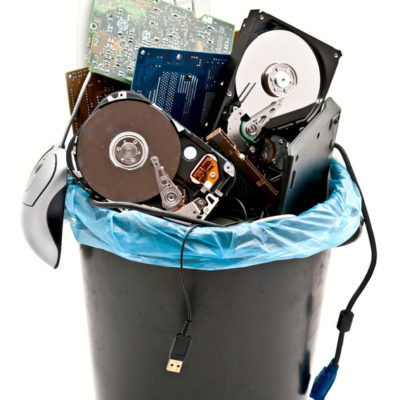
<point>242,207</point>
<point>187,299</point>
<point>182,340</point>
<point>346,316</point>
<point>154,211</point>
<point>76,108</point>
<point>158,212</point>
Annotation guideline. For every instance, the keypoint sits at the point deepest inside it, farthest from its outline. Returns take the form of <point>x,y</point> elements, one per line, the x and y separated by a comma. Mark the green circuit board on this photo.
<point>120,27</point>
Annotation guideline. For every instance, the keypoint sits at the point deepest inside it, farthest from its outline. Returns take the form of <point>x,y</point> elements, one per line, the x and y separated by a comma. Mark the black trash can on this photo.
<point>253,331</point>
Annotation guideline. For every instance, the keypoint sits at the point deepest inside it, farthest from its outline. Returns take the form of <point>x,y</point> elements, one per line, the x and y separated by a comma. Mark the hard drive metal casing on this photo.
<point>306,166</point>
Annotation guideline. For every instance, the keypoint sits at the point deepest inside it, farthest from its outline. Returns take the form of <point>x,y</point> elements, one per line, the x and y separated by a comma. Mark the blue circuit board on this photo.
<point>182,83</point>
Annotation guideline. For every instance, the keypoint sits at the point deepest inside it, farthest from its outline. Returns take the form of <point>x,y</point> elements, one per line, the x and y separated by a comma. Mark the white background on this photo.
<point>44,352</point>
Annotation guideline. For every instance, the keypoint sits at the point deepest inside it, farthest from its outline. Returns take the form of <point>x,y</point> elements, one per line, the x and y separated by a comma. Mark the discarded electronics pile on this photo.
<point>176,115</point>
<point>185,119</point>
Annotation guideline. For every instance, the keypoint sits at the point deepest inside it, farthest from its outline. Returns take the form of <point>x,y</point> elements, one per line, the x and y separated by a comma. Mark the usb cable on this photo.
<point>182,341</point>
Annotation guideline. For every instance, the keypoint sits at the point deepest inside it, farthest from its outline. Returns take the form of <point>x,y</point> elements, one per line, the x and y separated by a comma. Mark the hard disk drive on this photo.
<point>129,150</point>
<point>277,76</point>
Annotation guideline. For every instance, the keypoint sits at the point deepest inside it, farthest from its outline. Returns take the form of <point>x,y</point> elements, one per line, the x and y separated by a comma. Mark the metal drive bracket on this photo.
<point>194,209</point>
<point>200,208</point>
<point>212,201</point>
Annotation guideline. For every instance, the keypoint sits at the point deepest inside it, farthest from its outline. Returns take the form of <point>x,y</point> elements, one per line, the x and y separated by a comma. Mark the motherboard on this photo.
<point>182,83</point>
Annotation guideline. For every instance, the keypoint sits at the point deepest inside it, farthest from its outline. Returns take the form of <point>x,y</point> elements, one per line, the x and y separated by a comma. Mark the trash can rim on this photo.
<point>151,240</point>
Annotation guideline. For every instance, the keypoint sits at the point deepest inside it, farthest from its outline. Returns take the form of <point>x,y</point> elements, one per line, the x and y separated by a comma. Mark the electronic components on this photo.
<point>131,151</point>
<point>277,75</point>
<point>242,163</point>
<point>206,172</point>
<point>268,96</point>
<point>119,28</point>
<point>182,83</point>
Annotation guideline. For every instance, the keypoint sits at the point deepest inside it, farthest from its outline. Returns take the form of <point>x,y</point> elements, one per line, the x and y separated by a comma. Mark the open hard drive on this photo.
<point>130,151</point>
<point>271,105</point>
<point>277,76</point>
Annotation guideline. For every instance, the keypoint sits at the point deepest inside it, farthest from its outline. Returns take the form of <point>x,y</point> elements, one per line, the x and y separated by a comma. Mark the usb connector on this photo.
<point>178,352</point>
<point>174,366</point>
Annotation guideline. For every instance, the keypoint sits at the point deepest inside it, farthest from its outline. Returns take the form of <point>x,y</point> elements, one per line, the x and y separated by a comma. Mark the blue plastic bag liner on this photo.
<point>152,240</point>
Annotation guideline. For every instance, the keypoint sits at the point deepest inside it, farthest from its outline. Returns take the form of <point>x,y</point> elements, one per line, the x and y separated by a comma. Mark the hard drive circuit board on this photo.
<point>120,27</point>
<point>97,88</point>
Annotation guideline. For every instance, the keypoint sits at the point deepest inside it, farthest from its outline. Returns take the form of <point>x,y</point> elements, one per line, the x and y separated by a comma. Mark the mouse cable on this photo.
<point>326,378</point>
<point>188,305</point>
<point>182,340</point>
<point>76,108</point>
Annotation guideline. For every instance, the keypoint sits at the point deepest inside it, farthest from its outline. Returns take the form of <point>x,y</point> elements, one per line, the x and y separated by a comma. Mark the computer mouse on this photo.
<point>43,205</point>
